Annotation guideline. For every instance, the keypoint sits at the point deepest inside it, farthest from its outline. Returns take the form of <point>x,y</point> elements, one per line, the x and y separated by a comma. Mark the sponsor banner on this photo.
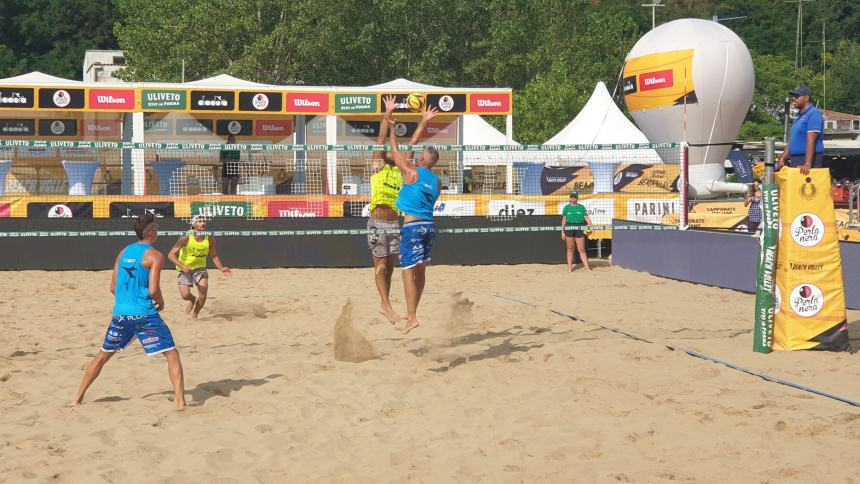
<point>261,101</point>
<point>316,128</point>
<point>213,100</point>
<point>58,127</point>
<point>562,181</point>
<point>659,80</point>
<point>765,283</point>
<point>111,99</point>
<point>307,102</point>
<point>356,209</point>
<point>369,129</point>
<point>236,127</point>
<point>5,210</point>
<point>276,128</point>
<point>809,270</point>
<point>516,208</point>
<point>600,211</point>
<point>440,132</point>
<point>78,153</point>
<point>652,210</point>
<point>199,127</point>
<point>157,126</point>
<point>454,208</point>
<point>647,178</point>
<point>17,97</point>
<point>36,152</point>
<point>405,129</point>
<point>356,103</point>
<point>136,209</point>
<point>163,99</point>
<point>491,103</point>
<point>222,209</point>
<point>17,127</point>
<point>101,128</point>
<point>298,209</point>
<point>742,166</point>
<point>60,210</point>
<point>447,103</point>
<point>61,98</point>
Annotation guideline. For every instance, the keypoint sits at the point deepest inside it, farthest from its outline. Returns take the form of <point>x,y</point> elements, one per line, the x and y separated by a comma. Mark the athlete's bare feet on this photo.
<point>410,325</point>
<point>389,313</point>
<point>570,269</point>
<point>181,405</point>
<point>190,305</point>
<point>73,403</point>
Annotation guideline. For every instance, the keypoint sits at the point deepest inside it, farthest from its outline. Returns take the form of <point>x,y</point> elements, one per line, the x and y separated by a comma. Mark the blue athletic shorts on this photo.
<point>416,242</point>
<point>153,333</point>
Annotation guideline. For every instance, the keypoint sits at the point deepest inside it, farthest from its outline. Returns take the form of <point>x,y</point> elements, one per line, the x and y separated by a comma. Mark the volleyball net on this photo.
<point>70,179</point>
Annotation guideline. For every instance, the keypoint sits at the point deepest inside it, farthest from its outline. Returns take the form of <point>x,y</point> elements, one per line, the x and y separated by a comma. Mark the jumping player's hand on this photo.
<point>226,271</point>
<point>430,114</point>
<point>390,103</point>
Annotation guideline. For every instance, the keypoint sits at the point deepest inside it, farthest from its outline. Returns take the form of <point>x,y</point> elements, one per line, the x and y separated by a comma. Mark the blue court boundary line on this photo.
<point>694,354</point>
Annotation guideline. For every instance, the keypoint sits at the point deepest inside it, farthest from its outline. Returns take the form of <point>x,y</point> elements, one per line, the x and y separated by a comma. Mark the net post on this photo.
<point>769,150</point>
<point>683,187</point>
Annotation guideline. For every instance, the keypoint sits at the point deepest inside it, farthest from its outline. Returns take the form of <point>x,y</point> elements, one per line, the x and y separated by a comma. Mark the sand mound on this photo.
<point>349,344</point>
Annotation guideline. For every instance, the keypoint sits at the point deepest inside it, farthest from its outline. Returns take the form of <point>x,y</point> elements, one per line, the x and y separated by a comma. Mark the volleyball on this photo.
<point>415,102</point>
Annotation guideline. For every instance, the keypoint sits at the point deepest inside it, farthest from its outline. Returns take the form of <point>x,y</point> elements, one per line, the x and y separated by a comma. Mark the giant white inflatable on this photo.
<point>692,80</point>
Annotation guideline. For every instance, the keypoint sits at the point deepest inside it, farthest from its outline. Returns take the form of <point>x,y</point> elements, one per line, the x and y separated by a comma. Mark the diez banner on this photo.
<point>60,210</point>
<point>213,100</point>
<point>112,99</point>
<point>61,98</point>
<point>136,209</point>
<point>260,101</point>
<point>58,127</point>
<point>17,97</point>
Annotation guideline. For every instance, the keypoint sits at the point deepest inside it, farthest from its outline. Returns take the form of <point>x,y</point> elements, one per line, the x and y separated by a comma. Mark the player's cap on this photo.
<point>196,218</point>
<point>801,90</point>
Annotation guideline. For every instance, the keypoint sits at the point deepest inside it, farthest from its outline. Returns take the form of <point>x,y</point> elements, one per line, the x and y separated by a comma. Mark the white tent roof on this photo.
<point>225,80</point>
<point>601,122</point>
<point>405,85</point>
<point>37,77</point>
<point>476,131</point>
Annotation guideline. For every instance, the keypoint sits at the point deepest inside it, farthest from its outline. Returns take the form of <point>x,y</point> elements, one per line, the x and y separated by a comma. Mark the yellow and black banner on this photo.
<point>810,298</point>
<point>659,80</point>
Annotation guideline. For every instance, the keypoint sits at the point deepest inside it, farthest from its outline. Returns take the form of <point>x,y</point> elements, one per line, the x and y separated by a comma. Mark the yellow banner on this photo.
<point>659,80</point>
<point>810,312</point>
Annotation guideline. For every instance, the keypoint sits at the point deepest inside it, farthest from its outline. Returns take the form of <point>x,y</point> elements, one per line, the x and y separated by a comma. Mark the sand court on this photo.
<point>486,390</point>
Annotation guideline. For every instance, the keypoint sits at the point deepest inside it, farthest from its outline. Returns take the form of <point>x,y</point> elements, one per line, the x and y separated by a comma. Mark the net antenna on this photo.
<point>654,4</point>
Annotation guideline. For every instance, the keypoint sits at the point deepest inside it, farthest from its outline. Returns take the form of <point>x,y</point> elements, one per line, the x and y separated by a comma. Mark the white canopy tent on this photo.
<point>601,122</point>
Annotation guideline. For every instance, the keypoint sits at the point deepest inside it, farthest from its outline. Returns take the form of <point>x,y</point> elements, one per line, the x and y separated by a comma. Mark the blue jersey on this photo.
<point>417,199</point>
<point>808,121</point>
<point>131,293</point>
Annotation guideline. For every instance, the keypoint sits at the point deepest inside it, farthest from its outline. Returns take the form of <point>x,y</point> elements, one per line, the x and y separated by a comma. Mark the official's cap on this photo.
<point>801,90</point>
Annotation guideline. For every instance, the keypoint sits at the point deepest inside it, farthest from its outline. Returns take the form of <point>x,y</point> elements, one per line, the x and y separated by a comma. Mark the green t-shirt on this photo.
<point>575,214</point>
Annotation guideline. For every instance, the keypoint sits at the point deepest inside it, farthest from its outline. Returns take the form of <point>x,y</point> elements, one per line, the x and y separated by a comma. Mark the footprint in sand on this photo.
<point>229,310</point>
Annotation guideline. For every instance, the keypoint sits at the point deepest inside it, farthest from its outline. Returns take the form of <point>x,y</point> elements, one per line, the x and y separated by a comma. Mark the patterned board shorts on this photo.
<point>151,331</point>
<point>383,244</point>
<point>417,243</point>
<point>191,278</point>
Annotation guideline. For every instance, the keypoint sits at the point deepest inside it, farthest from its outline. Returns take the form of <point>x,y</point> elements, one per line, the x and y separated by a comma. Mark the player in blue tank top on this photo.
<point>137,301</point>
<point>416,200</point>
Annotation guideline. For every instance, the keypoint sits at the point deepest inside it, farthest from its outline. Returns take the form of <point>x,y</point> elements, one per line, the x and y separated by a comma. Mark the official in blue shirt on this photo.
<point>806,142</point>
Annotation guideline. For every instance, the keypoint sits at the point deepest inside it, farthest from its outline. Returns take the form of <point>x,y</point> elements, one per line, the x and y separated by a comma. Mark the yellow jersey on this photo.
<point>195,252</point>
<point>384,187</point>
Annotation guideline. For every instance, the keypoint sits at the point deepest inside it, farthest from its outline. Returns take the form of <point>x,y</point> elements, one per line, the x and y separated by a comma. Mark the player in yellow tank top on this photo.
<point>383,238</point>
<point>190,254</point>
